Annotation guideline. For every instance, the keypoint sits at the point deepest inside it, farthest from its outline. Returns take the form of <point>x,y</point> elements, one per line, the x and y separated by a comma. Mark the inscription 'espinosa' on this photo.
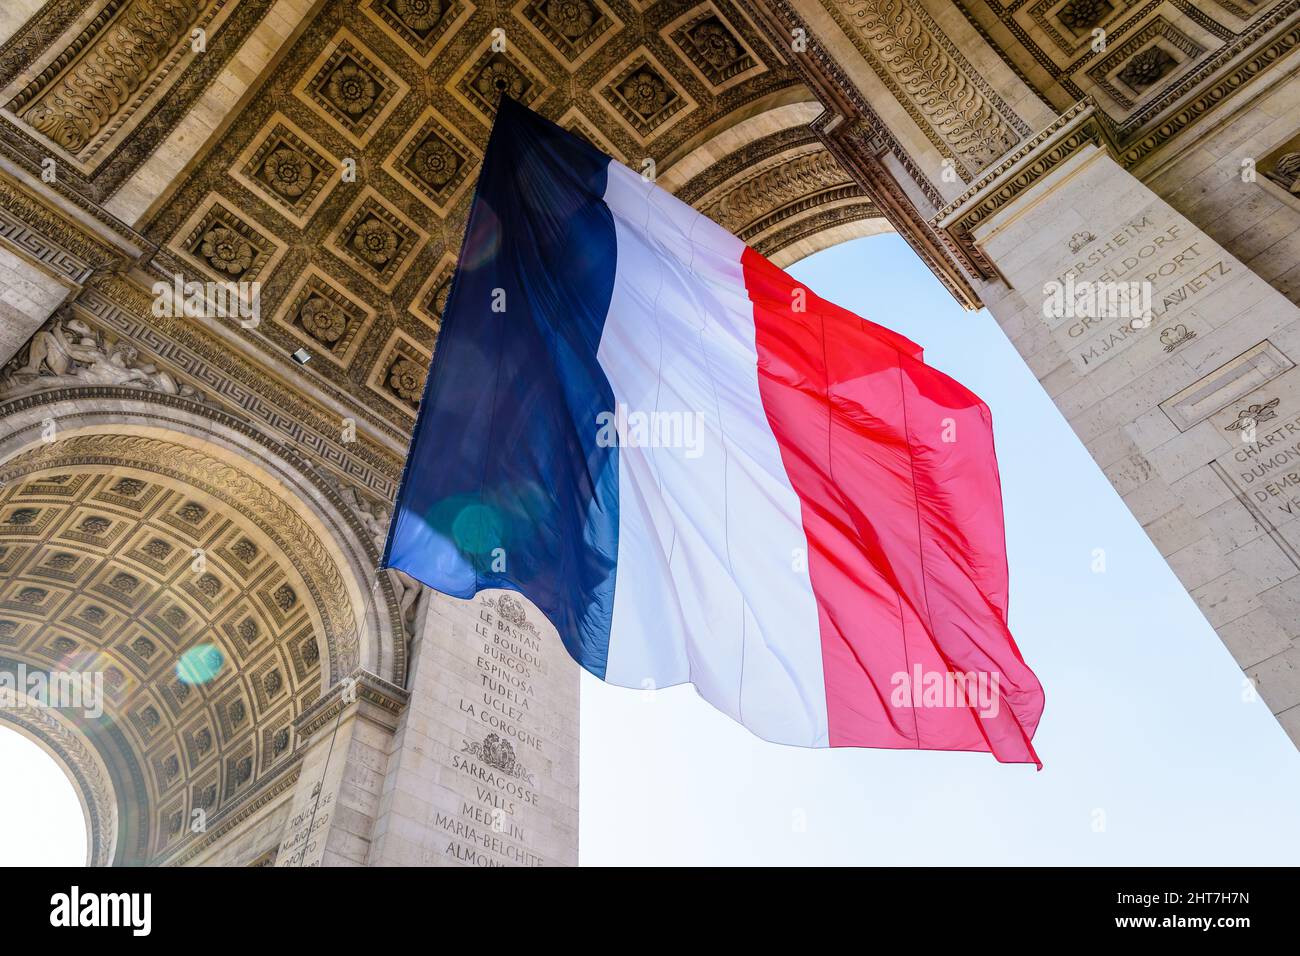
<point>488,829</point>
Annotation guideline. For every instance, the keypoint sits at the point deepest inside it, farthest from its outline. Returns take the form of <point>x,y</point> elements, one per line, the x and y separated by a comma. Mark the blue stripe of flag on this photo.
<point>504,485</point>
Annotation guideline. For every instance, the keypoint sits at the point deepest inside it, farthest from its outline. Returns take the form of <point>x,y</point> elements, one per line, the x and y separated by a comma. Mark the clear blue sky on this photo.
<point>1145,735</point>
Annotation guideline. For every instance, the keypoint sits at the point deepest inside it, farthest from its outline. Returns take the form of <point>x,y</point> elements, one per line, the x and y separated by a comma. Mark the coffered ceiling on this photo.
<point>198,601</point>
<point>355,269</point>
<point>1146,63</point>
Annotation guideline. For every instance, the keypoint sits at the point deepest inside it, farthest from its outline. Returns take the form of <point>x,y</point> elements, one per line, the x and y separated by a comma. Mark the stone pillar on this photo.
<point>1194,416</point>
<point>348,734</point>
<point>29,294</point>
<point>484,769</point>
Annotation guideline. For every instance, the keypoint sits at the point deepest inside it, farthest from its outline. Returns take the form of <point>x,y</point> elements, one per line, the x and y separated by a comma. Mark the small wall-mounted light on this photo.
<point>301,356</point>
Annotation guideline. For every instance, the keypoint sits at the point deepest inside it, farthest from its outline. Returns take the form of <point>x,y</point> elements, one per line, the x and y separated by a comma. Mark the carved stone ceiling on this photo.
<point>357,272</point>
<point>203,624</point>
<point>1163,62</point>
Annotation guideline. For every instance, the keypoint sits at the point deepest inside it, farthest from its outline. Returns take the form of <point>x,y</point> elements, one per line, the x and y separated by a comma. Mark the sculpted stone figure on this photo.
<point>68,352</point>
<point>1286,172</point>
<point>374,518</point>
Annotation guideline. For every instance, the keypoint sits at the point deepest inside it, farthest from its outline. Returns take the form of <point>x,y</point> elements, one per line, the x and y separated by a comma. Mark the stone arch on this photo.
<point>96,529</point>
<point>764,174</point>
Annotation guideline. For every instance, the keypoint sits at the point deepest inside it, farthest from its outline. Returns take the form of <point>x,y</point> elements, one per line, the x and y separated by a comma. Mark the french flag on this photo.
<point>701,472</point>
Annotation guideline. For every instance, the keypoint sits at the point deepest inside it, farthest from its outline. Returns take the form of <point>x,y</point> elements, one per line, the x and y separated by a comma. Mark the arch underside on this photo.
<point>212,606</point>
<point>696,95</point>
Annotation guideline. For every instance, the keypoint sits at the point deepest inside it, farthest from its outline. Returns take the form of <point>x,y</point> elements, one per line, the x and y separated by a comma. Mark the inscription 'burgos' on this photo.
<point>487,829</point>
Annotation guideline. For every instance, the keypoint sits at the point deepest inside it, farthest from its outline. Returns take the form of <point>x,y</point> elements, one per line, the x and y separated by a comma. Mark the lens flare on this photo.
<point>482,245</point>
<point>477,529</point>
<point>200,664</point>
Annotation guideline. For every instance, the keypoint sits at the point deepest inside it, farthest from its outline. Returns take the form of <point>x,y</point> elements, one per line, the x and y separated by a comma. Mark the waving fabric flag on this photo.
<point>702,472</point>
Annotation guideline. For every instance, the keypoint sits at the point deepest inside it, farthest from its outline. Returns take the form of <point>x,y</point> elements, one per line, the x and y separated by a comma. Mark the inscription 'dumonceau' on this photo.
<point>508,659</point>
<point>1267,459</point>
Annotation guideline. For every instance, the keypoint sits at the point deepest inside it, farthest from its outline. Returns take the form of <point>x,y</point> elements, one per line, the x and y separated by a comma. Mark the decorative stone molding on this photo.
<point>122,307</point>
<point>956,108</point>
<point>857,147</point>
<point>32,226</point>
<point>1218,77</point>
<point>1082,125</point>
<point>361,685</point>
<point>154,112</point>
<point>859,139</point>
<point>742,207</point>
<point>108,70</point>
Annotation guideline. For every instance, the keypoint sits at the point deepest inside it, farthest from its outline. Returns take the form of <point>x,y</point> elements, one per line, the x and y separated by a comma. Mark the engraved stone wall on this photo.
<point>485,764</point>
<point>1194,418</point>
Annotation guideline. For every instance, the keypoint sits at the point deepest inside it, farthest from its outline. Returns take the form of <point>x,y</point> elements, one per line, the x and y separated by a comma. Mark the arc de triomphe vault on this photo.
<point>173,482</point>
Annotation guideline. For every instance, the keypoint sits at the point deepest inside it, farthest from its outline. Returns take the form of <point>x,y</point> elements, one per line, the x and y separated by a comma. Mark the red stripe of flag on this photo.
<point>907,548</point>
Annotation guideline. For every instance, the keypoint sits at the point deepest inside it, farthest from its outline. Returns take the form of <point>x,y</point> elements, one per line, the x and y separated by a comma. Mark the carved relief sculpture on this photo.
<point>67,352</point>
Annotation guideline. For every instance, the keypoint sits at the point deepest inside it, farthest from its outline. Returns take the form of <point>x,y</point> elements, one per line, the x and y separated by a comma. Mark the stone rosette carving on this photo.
<point>714,49</point>
<point>378,240</point>
<point>572,27</point>
<point>495,73</point>
<point>352,88</point>
<point>1082,15</point>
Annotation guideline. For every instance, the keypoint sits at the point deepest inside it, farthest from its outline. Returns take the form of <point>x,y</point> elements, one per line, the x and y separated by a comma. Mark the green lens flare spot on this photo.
<point>200,664</point>
<point>477,529</point>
